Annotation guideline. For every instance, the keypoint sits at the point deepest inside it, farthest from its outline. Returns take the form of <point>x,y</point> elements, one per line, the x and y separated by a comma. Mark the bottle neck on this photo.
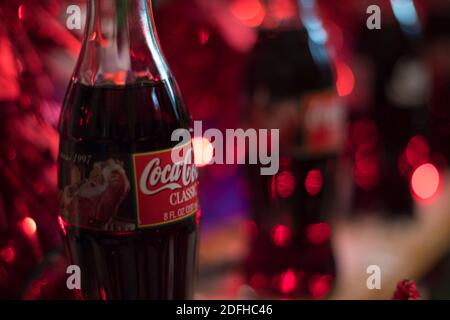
<point>292,14</point>
<point>296,15</point>
<point>281,15</point>
<point>120,45</point>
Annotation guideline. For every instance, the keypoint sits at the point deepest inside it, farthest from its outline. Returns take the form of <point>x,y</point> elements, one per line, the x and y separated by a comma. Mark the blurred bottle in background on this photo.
<point>290,86</point>
<point>437,35</point>
<point>390,130</point>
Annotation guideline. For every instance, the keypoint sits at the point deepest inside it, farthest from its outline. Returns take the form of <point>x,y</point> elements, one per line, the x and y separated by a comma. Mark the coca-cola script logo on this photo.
<point>156,177</point>
<point>166,191</point>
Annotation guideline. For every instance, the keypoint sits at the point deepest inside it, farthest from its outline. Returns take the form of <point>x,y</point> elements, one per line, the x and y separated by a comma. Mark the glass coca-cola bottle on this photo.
<point>291,87</point>
<point>129,213</point>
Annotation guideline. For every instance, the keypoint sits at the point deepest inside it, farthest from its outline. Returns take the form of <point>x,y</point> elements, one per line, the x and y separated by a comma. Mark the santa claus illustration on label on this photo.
<point>94,201</point>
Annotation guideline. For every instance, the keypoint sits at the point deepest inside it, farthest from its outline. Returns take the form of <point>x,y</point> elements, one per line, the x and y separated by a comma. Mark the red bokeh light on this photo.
<point>102,294</point>
<point>285,184</point>
<point>345,79</point>
<point>203,151</point>
<point>62,225</point>
<point>281,235</point>
<point>258,281</point>
<point>198,216</point>
<point>318,233</point>
<point>417,151</point>
<point>425,181</point>
<point>203,36</point>
<point>21,12</point>
<point>8,254</point>
<point>250,12</point>
<point>319,286</point>
<point>367,167</point>
<point>288,281</point>
<point>313,182</point>
<point>34,291</point>
<point>28,226</point>
<point>282,9</point>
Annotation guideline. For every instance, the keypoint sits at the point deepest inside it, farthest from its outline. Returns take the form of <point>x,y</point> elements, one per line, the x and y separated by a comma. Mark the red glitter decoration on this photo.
<point>406,290</point>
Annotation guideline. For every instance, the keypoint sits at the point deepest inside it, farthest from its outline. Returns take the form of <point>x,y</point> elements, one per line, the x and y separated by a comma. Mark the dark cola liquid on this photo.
<point>120,261</point>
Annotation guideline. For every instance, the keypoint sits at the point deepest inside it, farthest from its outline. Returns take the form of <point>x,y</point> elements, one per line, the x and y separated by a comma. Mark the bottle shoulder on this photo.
<point>137,112</point>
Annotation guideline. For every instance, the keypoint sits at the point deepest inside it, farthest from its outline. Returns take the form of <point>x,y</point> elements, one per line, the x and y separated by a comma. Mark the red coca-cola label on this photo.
<point>165,190</point>
<point>112,191</point>
<point>323,123</point>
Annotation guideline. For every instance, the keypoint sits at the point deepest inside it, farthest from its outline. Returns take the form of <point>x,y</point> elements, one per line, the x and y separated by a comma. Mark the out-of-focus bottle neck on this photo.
<point>281,15</point>
<point>296,15</point>
<point>120,45</point>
